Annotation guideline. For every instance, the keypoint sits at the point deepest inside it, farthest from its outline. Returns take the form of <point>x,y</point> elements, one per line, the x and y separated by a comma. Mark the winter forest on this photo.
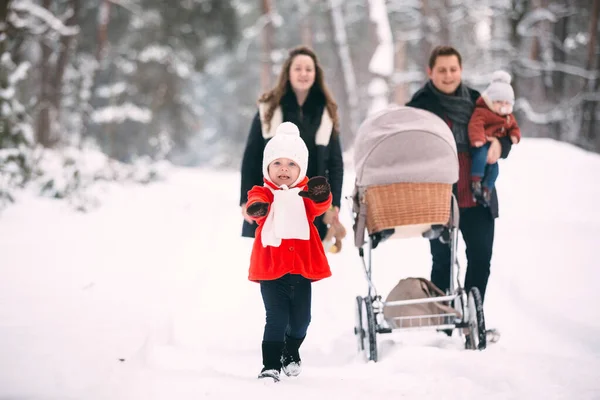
<point>117,89</point>
<point>124,274</point>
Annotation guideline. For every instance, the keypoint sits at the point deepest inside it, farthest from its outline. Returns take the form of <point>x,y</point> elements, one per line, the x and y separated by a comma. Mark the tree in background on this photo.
<point>16,130</point>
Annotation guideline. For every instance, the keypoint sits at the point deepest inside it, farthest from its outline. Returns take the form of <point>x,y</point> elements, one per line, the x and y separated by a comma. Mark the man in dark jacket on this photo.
<point>446,96</point>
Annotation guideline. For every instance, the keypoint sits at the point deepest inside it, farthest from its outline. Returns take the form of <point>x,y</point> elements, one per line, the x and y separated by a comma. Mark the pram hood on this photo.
<point>404,144</point>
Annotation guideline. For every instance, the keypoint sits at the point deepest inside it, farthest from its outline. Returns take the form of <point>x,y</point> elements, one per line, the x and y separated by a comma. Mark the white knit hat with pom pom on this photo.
<point>286,143</point>
<point>500,89</point>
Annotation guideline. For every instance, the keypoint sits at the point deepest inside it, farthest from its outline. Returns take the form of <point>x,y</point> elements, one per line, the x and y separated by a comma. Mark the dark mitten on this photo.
<point>318,189</point>
<point>257,209</point>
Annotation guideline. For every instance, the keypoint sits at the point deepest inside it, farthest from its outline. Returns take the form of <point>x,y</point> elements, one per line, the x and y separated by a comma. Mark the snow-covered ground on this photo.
<point>148,298</point>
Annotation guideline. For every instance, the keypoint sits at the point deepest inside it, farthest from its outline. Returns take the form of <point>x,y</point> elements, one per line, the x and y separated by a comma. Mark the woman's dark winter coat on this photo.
<point>324,161</point>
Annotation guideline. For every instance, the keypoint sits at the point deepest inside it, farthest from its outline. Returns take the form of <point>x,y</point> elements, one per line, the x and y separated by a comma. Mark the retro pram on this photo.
<point>406,163</point>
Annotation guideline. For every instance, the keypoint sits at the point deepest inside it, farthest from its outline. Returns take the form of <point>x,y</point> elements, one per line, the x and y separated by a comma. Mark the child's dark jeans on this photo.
<point>480,168</point>
<point>287,304</point>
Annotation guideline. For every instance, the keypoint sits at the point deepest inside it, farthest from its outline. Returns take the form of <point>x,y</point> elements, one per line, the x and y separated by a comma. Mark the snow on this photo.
<point>113,90</point>
<point>483,33</point>
<point>20,73</point>
<point>159,54</point>
<point>121,113</point>
<point>147,297</point>
<point>378,90</point>
<point>382,62</point>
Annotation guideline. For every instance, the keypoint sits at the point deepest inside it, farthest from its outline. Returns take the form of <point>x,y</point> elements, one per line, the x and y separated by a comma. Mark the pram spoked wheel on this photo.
<point>365,328</point>
<point>477,335</point>
<point>358,326</point>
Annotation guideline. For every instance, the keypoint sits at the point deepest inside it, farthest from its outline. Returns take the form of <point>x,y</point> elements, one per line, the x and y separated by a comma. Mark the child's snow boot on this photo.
<point>486,196</point>
<point>271,353</point>
<point>477,189</point>
<point>290,359</point>
<point>481,194</point>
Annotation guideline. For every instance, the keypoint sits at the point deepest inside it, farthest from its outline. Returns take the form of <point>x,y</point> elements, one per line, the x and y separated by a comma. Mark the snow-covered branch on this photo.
<point>532,18</point>
<point>407,77</point>
<point>253,31</point>
<point>538,68</point>
<point>129,5</point>
<point>166,55</point>
<point>403,5</point>
<point>114,90</point>
<point>26,6</point>
<point>558,113</point>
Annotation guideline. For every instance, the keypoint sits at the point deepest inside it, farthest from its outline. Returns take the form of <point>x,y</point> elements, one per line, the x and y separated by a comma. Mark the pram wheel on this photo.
<point>477,335</point>
<point>358,326</point>
<point>369,330</point>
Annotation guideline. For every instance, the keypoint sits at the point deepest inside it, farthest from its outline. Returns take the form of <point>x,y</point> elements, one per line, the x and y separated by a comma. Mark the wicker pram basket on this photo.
<point>406,163</point>
<point>404,204</point>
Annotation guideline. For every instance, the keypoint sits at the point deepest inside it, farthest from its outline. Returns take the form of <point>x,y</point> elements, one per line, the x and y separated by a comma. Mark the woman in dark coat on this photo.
<point>302,97</point>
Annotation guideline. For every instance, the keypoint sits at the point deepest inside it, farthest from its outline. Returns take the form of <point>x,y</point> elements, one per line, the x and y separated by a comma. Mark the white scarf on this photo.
<point>287,218</point>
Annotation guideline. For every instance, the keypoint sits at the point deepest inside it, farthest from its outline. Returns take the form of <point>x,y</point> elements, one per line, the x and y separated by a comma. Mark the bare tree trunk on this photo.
<point>593,35</point>
<point>101,49</point>
<point>588,122</point>
<point>350,86</point>
<point>540,41</point>
<point>445,36</point>
<point>4,124</point>
<point>514,37</point>
<point>400,88</point>
<point>381,65</point>
<point>63,57</point>
<point>557,89</point>
<point>103,18</point>
<point>306,32</point>
<point>44,120</point>
<point>3,14</point>
<point>560,33</point>
<point>267,46</point>
<point>537,93</point>
<point>426,45</point>
<point>306,35</point>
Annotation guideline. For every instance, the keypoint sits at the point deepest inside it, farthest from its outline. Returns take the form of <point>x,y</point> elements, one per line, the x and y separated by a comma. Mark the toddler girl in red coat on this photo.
<point>287,255</point>
<point>492,118</point>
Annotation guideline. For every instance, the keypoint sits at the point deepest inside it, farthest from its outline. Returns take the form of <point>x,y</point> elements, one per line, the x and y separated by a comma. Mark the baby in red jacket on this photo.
<point>287,255</point>
<point>492,118</point>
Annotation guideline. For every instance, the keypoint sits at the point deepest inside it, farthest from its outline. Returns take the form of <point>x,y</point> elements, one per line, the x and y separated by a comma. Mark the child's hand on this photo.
<point>245,214</point>
<point>257,209</point>
<point>477,144</point>
<point>514,139</point>
<point>318,189</point>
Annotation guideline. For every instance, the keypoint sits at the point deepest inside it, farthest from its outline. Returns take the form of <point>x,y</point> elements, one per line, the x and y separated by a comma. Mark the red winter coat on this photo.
<point>293,256</point>
<point>485,123</point>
